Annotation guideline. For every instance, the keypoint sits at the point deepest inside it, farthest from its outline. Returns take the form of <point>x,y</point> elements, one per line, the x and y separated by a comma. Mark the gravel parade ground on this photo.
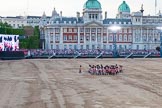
<point>56,83</point>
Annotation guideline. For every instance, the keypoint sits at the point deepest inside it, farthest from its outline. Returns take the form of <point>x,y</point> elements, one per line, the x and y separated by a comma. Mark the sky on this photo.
<point>70,7</point>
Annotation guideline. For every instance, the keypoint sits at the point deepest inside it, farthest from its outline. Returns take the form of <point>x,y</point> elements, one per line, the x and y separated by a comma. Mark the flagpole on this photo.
<point>155,6</point>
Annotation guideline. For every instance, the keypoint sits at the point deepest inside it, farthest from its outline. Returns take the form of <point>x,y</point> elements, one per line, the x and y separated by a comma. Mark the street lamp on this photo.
<point>114,29</point>
<point>160,30</point>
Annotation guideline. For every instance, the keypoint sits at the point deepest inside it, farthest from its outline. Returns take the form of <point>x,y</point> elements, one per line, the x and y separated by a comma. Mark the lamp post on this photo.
<point>160,30</point>
<point>114,29</point>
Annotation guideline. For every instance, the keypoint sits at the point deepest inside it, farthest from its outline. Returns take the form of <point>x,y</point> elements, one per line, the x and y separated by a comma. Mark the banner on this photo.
<point>9,42</point>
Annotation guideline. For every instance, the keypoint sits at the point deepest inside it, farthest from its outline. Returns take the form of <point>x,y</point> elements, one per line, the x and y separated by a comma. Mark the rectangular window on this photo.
<point>57,37</point>
<point>120,38</point>
<point>93,37</point>
<point>93,16</point>
<point>57,46</point>
<point>137,47</point>
<point>125,30</point>
<point>99,30</point>
<point>87,30</point>
<point>51,46</point>
<point>130,38</point>
<point>70,37</point>
<point>65,30</point>
<point>110,38</point>
<point>104,47</point>
<point>65,37</point>
<point>70,30</point>
<point>104,38</point>
<point>145,47</point>
<point>81,38</point>
<point>125,38</point>
<point>57,30</point>
<point>87,46</point>
<point>65,46</point>
<point>89,16</point>
<point>98,46</point>
<point>96,16</point>
<point>144,38</point>
<point>117,38</point>
<point>75,47</point>
<point>81,30</point>
<point>93,30</point>
<point>120,47</point>
<point>150,38</point>
<point>99,38</point>
<point>70,46</point>
<point>110,47</point>
<point>81,46</point>
<point>93,46</point>
<point>75,30</point>
<point>87,38</point>
<point>130,46</point>
<point>136,38</point>
<point>125,46</point>
<point>75,37</point>
<point>51,37</point>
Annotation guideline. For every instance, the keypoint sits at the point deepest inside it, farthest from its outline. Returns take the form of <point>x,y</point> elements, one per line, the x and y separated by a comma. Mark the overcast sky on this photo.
<point>70,7</point>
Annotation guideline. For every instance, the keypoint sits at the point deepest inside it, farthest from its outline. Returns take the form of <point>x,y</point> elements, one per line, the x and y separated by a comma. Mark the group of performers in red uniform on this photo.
<point>105,70</point>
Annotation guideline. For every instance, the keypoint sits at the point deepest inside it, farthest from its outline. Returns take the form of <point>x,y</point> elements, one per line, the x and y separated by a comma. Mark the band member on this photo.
<point>80,69</point>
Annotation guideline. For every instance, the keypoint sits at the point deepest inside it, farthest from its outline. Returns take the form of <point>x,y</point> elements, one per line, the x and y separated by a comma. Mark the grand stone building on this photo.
<point>91,30</point>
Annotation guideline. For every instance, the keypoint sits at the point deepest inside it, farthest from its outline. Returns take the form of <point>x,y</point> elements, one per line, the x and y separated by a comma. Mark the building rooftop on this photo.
<point>124,7</point>
<point>92,4</point>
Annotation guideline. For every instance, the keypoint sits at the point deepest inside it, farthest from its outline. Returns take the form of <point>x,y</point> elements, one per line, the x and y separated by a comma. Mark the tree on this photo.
<point>34,41</point>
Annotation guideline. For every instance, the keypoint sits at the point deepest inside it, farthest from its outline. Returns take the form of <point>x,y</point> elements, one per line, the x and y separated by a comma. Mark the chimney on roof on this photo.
<point>105,14</point>
<point>60,15</point>
<point>78,15</point>
<point>159,13</point>
<point>142,10</point>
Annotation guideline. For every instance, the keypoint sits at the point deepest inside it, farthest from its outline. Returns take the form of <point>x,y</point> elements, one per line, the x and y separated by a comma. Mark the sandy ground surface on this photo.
<point>56,83</point>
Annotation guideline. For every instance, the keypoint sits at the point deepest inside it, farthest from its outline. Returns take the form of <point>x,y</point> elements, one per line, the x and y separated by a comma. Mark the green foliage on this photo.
<point>23,43</point>
<point>36,31</point>
<point>32,42</point>
<point>7,29</point>
<point>5,25</point>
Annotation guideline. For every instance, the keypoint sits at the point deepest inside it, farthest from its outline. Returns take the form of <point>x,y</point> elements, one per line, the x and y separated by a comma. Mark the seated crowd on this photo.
<point>105,70</point>
<point>88,52</point>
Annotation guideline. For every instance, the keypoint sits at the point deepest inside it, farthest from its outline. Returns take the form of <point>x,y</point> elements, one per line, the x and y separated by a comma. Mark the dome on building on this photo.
<point>92,4</point>
<point>54,12</point>
<point>124,7</point>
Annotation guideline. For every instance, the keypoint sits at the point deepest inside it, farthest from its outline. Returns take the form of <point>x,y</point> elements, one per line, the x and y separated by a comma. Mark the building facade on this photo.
<point>21,21</point>
<point>92,31</point>
<point>15,22</point>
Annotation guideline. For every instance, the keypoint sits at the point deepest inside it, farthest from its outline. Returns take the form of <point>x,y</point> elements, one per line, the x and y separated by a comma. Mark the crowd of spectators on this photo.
<point>139,52</point>
<point>87,52</point>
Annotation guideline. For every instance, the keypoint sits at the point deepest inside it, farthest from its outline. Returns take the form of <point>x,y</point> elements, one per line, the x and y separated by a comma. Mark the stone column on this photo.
<point>61,38</point>
<point>48,38</point>
<point>96,38</point>
<point>54,38</point>
<point>84,38</point>
<point>90,38</point>
<point>102,38</point>
<point>78,46</point>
